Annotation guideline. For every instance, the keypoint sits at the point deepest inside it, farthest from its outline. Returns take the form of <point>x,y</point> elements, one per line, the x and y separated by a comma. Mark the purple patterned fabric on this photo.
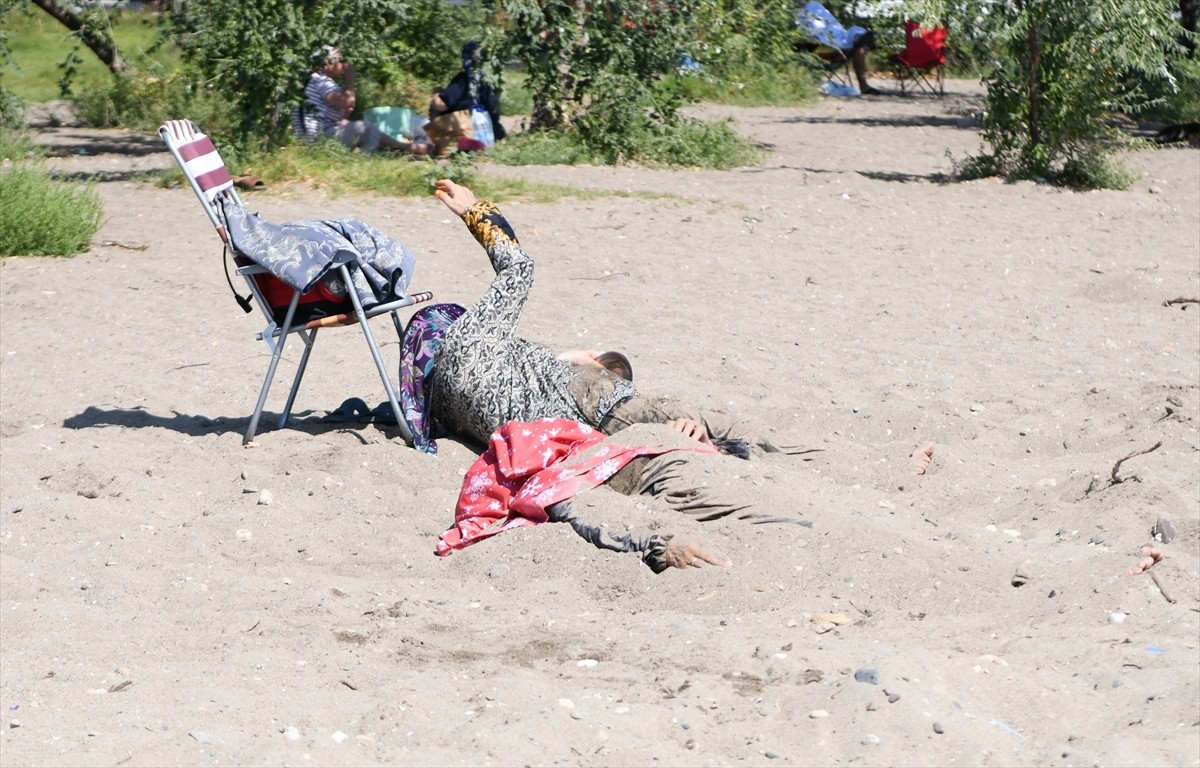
<point>418,352</point>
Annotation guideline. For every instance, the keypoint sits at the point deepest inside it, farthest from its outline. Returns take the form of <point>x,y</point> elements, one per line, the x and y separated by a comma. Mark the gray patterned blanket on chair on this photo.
<point>300,253</point>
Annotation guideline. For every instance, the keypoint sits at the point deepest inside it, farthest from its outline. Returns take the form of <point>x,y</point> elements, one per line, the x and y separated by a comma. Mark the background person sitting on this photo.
<point>466,90</point>
<point>327,108</point>
<point>853,42</point>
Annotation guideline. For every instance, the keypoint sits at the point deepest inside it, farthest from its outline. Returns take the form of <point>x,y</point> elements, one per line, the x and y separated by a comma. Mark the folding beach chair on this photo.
<point>923,59</point>
<point>836,66</point>
<point>831,43</point>
<point>287,310</point>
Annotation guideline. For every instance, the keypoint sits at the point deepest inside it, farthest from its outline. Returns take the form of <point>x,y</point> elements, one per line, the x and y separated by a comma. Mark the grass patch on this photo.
<point>790,86</point>
<point>331,167</point>
<point>43,217</point>
<point>699,144</point>
<point>39,45</point>
<point>515,97</point>
<point>541,148</point>
<point>686,144</point>
<point>142,103</point>
<point>1090,170</point>
<point>16,147</point>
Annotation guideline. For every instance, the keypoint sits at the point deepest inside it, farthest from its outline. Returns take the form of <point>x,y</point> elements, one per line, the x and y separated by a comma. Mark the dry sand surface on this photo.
<point>170,597</point>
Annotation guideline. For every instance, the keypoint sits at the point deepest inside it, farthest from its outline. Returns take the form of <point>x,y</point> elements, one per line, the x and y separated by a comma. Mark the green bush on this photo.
<point>144,102</point>
<point>541,148</point>
<point>682,143</point>
<point>698,144</point>
<point>1063,67</point>
<point>1178,105</point>
<point>16,146</point>
<point>43,217</point>
<point>749,86</point>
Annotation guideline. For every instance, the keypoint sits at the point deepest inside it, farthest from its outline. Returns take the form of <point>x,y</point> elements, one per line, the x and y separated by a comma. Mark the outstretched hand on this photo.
<point>691,428</point>
<point>688,554</point>
<point>456,197</point>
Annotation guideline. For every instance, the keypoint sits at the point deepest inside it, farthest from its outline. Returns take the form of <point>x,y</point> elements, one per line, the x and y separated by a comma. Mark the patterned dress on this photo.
<point>487,376</point>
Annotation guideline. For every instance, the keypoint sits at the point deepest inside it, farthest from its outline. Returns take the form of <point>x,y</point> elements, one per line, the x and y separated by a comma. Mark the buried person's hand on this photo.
<point>689,427</point>
<point>688,554</point>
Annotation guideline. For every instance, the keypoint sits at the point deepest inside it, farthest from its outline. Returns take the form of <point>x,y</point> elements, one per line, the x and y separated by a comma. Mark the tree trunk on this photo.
<point>1035,95</point>
<point>95,39</point>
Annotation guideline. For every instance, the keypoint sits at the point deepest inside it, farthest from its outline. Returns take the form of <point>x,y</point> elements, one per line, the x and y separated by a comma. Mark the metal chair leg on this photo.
<point>309,338</point>
<point>275,355</point>
<point>387,382</point>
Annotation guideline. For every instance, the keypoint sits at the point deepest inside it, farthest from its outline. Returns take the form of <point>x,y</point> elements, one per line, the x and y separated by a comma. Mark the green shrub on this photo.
<point>43,217</point>
<point>1062,68</point>
<point>684,143</point>
<point>16,146</point>
<point>1178,105</point>
<point>143,102</point>
<point>1096,170</point>
<point>541,148</point>
<point>789,84</point>
<point>342,170</point>
<point>698,144</point>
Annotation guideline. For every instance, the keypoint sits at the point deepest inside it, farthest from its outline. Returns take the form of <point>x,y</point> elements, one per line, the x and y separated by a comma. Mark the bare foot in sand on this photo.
<point>1152,556</point>
<point>922,458</point>
<point>688,554</point>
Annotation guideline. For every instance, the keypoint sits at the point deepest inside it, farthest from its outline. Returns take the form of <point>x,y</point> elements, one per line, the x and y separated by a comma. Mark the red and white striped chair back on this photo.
<point>201,160</point>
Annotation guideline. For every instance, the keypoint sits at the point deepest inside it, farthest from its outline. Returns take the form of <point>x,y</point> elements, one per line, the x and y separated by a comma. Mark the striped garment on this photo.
<point>316,118</point>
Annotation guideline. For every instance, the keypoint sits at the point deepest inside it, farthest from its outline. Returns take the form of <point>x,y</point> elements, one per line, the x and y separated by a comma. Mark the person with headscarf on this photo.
<point>467,89</point>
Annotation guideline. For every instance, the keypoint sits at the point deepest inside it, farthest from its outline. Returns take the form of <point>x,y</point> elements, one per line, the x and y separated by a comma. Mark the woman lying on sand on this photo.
<point>485,376</point>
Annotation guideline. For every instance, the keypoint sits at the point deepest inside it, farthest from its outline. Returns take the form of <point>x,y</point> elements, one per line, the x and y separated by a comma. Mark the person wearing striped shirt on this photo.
<point>328,105</point>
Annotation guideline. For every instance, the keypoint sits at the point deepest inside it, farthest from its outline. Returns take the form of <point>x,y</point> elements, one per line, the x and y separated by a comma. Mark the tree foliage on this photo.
<point>591,66</point>
<point>11,108</point>
<point>89,24</point>
<point>1062,68</point>
<point>596,69</point>
<point>259,55</point>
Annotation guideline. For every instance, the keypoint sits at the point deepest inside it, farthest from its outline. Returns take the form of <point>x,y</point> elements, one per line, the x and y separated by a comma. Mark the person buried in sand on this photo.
<point>484,376</point>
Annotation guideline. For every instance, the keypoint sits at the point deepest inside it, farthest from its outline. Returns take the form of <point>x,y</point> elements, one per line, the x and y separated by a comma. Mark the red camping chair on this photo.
<point>286,310</point>
<point>923,58</point>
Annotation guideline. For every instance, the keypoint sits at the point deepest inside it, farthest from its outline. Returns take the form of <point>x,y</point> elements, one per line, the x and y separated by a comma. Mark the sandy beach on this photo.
<point>170,597</point>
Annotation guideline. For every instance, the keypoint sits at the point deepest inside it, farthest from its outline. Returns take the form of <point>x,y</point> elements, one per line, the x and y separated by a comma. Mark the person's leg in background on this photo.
<point>858,57</point>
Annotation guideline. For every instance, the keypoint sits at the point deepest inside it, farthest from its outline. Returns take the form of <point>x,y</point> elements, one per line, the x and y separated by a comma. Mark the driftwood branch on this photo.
<point>1180,300</point>
<point>1121,461</point>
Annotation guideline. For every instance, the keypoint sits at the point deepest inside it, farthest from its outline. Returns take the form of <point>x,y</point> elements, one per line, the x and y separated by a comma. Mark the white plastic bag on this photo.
<point>481,126</point>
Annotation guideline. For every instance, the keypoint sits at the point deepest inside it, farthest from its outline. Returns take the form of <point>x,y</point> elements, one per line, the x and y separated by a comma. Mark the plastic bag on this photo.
<point>837,89</point>
<point>481,126</point>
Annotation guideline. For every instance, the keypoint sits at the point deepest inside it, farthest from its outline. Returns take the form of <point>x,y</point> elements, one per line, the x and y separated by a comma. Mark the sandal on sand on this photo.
<point>249,183</point>
<point>353,411</point>
<point>383,414</point>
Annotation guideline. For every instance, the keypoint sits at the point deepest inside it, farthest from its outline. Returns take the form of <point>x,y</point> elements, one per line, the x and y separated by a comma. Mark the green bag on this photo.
<point>394,121</point>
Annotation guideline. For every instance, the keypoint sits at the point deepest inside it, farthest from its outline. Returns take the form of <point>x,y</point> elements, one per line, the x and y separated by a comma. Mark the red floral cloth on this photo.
<point>525,470</point>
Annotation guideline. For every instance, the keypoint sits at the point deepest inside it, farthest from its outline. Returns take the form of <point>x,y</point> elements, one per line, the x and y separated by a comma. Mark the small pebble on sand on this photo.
<point>818,713</point>
<point>937,728</point>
